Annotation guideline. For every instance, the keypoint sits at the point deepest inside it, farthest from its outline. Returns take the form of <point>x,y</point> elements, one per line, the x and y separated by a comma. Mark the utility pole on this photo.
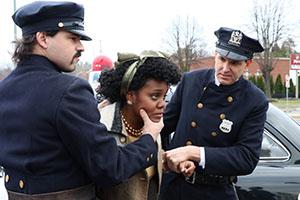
<point>15,26</point>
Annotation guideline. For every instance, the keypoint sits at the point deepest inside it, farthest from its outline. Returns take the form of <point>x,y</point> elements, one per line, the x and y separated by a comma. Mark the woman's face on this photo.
<point>151,98</point>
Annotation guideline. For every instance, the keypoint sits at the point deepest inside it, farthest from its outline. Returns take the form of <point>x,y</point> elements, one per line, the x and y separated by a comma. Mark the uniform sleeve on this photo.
<point>242,157</point>
<point>172,114</point>
<point>87,141</point>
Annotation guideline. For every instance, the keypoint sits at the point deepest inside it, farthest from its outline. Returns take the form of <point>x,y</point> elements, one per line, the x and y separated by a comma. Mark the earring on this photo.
<point>129,102</point>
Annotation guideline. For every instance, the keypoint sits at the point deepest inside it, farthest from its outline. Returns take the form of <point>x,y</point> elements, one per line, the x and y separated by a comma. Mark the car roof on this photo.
<point>283,123</point>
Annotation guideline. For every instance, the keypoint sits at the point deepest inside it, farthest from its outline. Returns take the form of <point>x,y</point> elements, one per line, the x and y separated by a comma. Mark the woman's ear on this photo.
<point>130,97</point>
<point>41,38</point>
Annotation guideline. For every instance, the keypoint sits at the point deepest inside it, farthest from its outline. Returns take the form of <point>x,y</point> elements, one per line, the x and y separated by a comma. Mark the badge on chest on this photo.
<point>226,126</point>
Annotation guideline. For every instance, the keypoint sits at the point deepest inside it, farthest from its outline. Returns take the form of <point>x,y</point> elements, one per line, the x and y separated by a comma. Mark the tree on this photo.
<point>292,89</point>
<point>184,42</point>
<point>287,47</point>
<point>272,85</point>
<point>270,25</point>
<point>279,87</point>
<point>260,83</point>
<point>253,79</point>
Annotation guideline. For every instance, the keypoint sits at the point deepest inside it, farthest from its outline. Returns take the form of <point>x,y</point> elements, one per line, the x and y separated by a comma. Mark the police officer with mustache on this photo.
<point>52,143</point>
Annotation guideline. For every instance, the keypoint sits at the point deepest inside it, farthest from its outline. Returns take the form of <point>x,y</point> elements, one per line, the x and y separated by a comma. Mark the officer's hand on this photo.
<point>175,156</point>
<point>165,167</point>
<point>187,168</point>
<point>150,127</point>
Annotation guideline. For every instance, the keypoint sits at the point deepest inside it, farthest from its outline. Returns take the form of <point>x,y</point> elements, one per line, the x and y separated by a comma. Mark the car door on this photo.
<point>277,175</point>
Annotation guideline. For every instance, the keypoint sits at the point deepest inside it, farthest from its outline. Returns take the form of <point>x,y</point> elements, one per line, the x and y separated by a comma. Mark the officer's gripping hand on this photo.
<point>187,168</point>
<point>150,127</point>
<point>175,156</point>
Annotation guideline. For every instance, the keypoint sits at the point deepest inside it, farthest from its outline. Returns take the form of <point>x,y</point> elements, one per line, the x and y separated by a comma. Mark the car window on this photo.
<point>273,149</point>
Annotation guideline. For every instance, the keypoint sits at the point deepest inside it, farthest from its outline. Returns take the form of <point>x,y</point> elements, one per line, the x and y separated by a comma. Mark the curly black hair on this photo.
<point>155,68</point>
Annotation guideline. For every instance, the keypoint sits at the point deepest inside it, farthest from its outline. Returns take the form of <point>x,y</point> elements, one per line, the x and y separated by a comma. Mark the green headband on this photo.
<point>139,60</point>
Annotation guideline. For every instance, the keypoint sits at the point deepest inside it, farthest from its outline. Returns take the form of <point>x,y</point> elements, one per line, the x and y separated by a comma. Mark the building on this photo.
<point>281,66</point>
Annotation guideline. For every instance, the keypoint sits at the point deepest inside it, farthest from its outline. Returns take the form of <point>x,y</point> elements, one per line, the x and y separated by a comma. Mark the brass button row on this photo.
<point>189,142</point>
<point>21,182</point>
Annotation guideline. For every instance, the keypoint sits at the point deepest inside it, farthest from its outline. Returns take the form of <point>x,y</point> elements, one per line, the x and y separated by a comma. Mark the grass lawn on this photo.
<point>284,104</point>
<point>290,107</point>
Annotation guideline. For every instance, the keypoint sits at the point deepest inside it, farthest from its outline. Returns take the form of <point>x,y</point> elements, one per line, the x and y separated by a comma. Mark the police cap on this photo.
<point>235,45</point>
<point>51,16</point>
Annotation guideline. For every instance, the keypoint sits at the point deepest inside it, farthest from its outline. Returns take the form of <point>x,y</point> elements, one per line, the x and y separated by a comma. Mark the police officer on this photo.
<point>52,143</point>
<point>218,118</point>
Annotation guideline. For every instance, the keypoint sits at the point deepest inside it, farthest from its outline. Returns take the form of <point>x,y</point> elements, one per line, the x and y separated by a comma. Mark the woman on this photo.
<point>136,82</point>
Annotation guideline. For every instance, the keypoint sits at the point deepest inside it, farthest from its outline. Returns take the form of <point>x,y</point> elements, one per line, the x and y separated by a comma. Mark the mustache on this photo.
<point>77,54</point>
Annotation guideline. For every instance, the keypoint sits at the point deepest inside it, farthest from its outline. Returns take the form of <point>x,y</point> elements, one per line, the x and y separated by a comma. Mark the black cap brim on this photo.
<point>231,55</point>
<point>81,34</point>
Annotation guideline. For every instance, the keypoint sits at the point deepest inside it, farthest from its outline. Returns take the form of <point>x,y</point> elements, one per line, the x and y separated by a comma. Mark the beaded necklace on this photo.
<point>130,130</point>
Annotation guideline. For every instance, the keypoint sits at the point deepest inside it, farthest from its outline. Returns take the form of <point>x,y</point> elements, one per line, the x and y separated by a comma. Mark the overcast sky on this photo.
<point>136,25</point>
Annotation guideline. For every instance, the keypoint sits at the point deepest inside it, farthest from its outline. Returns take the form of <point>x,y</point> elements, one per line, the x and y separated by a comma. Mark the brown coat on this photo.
<point>143,185</point>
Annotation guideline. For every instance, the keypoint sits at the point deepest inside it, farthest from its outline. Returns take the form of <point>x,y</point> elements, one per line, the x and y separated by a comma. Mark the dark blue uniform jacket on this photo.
<point>197,112</point>
<point>50,135</point>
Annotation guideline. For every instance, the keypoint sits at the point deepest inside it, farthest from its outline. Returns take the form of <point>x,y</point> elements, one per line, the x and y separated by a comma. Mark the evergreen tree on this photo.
<point>252,79</point>
<point>272,85</point>
<point>292,89</point>
<point>279,90</point>
<point>260,83</point>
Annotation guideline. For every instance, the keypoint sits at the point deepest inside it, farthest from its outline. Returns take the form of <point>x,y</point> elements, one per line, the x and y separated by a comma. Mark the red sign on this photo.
<point>295,61</point>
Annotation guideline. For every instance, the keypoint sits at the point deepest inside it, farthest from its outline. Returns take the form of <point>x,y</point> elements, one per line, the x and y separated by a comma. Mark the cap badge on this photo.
<point>236,38</point>
<point>226,126</point>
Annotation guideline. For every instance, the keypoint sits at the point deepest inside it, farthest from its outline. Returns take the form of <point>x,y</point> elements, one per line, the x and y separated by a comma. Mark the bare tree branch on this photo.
<point>270,26</point>
<point>184,42</point>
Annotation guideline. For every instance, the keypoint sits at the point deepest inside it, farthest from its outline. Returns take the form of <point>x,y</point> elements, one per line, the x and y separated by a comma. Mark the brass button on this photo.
<point>222,116</point>
<point>200,105</point>
<point>60,24</point>
<point>151,155</point>
<point>21,184</point>
<point>204,88</point>
<point>214,134</point>
<point>193,124</point>
<point>229,99</point>
<point>148,159</point>
<point>6,178</point>
<point>189,142</point>
<point>123,140</point>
